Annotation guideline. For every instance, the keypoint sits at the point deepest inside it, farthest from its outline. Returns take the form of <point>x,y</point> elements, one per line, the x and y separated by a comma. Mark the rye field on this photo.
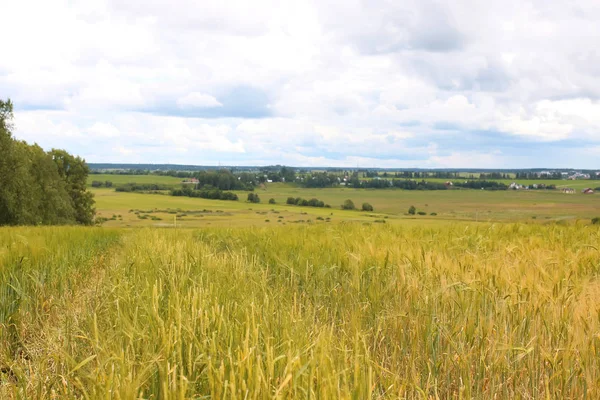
<point>347,310</point>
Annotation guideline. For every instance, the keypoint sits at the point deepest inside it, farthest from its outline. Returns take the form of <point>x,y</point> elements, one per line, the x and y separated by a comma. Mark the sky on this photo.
<point>388,84</point>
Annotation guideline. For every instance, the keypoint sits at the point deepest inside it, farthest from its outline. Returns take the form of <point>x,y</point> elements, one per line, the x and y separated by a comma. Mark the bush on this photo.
<point>596,221</point>
<point>253,198</point>
<point>367,207</point>
<point>96,184</point>
<point>422,213</point>
<point>315,203</point>
<point>433,213</point>
<point>412,210</point>
<point>291,201</point>
<point>271,201</point>
<point>348,205</point>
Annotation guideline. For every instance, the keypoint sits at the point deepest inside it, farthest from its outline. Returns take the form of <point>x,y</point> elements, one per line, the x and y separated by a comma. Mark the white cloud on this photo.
<point>394,83</point>
<point>199,100</point>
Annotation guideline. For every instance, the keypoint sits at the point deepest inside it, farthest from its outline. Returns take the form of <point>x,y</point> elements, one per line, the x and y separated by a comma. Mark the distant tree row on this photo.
<point>224,180</point>
<point>538,175</point>
<point>99,184</point>
<point>299,201</point>
<point>39,187</point>
<point>214,194</point>
<point>479,184</point>
<point>142,187</point>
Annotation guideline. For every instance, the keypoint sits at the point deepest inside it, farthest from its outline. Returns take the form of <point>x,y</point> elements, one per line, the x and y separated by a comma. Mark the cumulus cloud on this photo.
<point>199,100</point>
<point>404,83</point>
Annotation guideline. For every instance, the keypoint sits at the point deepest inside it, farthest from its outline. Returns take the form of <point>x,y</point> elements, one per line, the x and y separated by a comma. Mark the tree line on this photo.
<point>39,187</point>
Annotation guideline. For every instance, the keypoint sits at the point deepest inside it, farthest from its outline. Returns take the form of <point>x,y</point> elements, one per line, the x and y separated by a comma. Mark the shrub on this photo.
<point>412,210</point>
<point>271,201</point>
<point>596,221</point>
<point>367,207</point>
<point>433,213</point>
<point>253,198</point>
<point>291,201</point>
<point>313,202</point>
<point>96,184</point>
<point>348,205</point>
<point>422,213</point>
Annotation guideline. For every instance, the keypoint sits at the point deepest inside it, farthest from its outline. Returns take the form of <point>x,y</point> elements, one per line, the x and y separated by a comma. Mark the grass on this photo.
<point>123,179</point>
<point>447,205</point>
<point>344,310</point>
<point>559,183</point>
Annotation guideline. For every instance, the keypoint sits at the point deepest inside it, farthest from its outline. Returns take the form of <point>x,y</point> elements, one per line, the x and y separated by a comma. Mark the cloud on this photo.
<point>403,83</point>
<point>198,100</point>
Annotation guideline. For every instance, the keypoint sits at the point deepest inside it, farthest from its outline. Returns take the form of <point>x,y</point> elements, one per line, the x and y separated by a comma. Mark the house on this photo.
<point>515,186</point>
<point>579,175</point>
<point>587,191</point>
<point>568,190</point>
<point>190,180</point>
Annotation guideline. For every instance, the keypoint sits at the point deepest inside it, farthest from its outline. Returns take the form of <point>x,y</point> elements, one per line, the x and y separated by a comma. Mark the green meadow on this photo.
<point>117,179</point>
<point>535,206</point>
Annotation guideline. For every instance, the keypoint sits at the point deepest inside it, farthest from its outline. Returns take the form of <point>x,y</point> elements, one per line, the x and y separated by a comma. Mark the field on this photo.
<point>391,204</point>
<point>559,183</point>
<point>347,310</point>
<point>487,295</point>
<point>123,179</point>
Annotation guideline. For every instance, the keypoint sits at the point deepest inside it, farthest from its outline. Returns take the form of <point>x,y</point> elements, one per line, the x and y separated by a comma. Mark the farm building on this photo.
<point>587,191</point>
<point>568,191</point>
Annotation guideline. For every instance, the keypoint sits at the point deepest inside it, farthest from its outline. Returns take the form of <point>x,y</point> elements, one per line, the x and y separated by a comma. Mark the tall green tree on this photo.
<point>10,169</point>
<point>74,171</point>
<point>37,187</point>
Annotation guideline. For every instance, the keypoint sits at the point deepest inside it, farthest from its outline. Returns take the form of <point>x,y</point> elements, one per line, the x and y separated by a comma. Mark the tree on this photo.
<point>74,171</point>
<point>271,201</point>
<point>33,189</point>
<point>367,207</point>
<point>289,174</point>
<point>412,210</point>
<point>348,205</point>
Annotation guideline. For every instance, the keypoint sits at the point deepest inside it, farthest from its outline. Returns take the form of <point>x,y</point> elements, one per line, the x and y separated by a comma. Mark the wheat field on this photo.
<point>349,311</point>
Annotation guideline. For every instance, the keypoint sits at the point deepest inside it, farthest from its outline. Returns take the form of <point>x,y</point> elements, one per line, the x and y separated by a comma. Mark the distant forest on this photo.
<point>39,187</point>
